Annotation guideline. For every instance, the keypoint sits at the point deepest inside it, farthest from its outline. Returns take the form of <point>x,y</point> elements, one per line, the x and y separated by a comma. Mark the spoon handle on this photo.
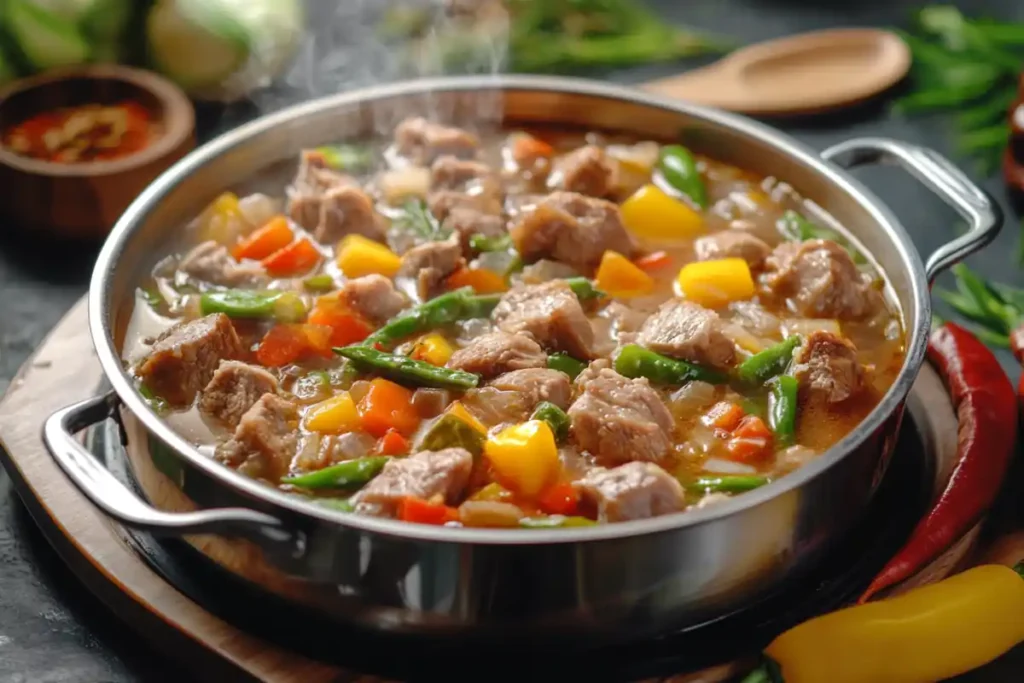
<point>711,86</point>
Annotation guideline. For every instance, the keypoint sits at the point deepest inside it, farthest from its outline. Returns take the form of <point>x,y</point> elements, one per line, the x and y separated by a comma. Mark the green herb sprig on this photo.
<point>994,310</point>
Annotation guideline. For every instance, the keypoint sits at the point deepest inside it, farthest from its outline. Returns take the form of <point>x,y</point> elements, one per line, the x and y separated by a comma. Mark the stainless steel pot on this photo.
<point>614,580</point>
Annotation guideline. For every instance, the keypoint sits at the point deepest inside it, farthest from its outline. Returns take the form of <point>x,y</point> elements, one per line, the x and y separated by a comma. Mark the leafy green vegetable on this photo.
<point>798,228</point>
<point>995,310</point>
<point>417,218</point>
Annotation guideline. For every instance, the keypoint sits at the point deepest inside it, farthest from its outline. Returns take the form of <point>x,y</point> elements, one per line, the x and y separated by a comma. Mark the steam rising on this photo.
<point>345,49</point>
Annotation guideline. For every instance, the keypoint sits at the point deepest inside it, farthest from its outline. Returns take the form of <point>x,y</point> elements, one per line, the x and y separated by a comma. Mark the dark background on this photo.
<point>52,631</point>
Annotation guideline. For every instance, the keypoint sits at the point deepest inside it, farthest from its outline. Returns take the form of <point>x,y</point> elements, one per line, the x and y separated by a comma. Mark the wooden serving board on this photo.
<point>64,370</point>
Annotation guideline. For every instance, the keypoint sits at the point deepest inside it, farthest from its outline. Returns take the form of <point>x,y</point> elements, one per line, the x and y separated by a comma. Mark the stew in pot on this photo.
<point>536,329</point>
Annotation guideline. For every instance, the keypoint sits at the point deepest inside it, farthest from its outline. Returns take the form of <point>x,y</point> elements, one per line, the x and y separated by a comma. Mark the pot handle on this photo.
<point>938,174</point>
<point>89,475</point>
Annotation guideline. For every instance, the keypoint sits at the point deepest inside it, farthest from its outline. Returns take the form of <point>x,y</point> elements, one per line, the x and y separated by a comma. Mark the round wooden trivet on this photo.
<point>64,370</point>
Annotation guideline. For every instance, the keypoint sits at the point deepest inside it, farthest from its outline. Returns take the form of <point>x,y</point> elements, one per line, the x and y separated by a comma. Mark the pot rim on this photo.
<point>101,311</point>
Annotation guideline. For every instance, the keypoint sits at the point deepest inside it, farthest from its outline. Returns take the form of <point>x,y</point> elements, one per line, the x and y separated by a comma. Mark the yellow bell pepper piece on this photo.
<point>928,634</point>
<point>462,412</point>
<point>358,256</point>
<point>432,348</point>
<point>524,456</point>
<point>716,283</point>
<point>336,415</point>
<point>222,220</point>
<point>620,277</point>
<point>654,215</point>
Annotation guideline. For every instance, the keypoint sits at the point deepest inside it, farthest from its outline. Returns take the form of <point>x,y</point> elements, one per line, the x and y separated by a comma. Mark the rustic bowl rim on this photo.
<point>176,113</point>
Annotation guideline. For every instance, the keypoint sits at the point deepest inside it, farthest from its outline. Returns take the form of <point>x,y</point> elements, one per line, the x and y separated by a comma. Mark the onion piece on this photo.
<point>806,326</point>
<point>723,466</point>
<point>742,338</point>
<point>400,184</point>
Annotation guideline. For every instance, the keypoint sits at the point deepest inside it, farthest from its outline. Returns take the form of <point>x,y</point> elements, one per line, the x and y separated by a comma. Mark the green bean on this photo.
<point>348,474</point>
<point>243,303</point>
<point>762,366</point>
<point>563,362</point>
<point>584,289</point>
<point>152,297</point>
<point>155,402</point>
<point>408,370</point>
<point>636,361</point>
<point>346,157</point>
<point>554,416</point>
<point>737,483</point>
<point>679,169</point>
<point>460,304</point>
<point>555,522</point>
<point>485,243</point>
<point>340,504</point>
<point>783,407</point>
<point>319,283</point>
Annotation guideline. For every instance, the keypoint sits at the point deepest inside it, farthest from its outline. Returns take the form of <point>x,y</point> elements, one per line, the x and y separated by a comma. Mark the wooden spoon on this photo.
<point>805,73</point>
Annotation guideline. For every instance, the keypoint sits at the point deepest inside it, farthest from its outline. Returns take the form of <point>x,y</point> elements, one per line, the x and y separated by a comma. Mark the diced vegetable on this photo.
<point>243,303</point>
<point>297,258</point>
<point>654,261</point>
<point>358,256</point>
<point>348,474</point>
<point>451,431</point>
<point>555,522</point>
<point>736,483</point>
<point>347,157</point>
<point>288,342</point>
<point>408,370</point>
<point>481,280</point>
<point>724,415</point>
<point>222,220</point>
<point>526,149</point>
<point>489,514</point>
<point>276,234</point>
<point>388,406</point>
<point>336,415</point>
<point>524,456</point>
<point>620,277</point>
<point>716,283</point>
<point>339,504</point>
<point>493,491</point>
<point>679,169</point>
<point>401,184</point>
<point>584,289</point>
<point>782,408</point>
<point>319,283</point>
<point>420,511</point>
<point>346,326</point>
<point>462,412</point>
<point>554,416</point>
<point>636,361</point>
<point>639,158</point>
<point>432,348</point>
<point>750,441</point>
<point>805,327</point>
<point>484,243</point>
<point>761,367</point>
<point>651,214</point>
<point>559,499</point>
<point>563,362</point>
<point>393,443</point>
<point>443,310</point>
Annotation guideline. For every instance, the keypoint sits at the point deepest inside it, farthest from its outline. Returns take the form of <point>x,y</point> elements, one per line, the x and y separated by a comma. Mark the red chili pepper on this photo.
<point>987,411</point>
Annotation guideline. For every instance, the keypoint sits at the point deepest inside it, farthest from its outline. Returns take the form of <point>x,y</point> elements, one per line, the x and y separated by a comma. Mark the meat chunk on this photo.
<point>827,367</point>
<point>213,263</point>
<point>732,244</point>
<point>636,490</point>
<point>536,385</point>
<point>467,221</point>
<point>184,358</point>
<point>427,474</point>
<point>430,263</point>
<point>422,141</point>
<point>233,390</point>
<point>820,280</point>
<point>347,210</point>
<point>265,440</point>
<point>372,296</point>
<point>551,314</point>
<point>465,176</point>
<point>571,228</point>
<point>683,329</point>
<point>498,352</point>
<point>621,420</point>
<point>586,170</point>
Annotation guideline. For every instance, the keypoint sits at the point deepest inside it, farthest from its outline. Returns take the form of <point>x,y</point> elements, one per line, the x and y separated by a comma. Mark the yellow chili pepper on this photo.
<point>524,456</point>
<point>358,256</point>
<point>432,348</point>
<point>652,214</point>
<point>716,283</point>
<point>336,415</point>
<point>619,277</point>
<point>462,412</point>
<point>928,634</point>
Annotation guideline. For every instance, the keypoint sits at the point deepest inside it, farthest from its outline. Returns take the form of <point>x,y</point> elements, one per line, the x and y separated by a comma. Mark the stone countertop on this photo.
<point>52,630</point>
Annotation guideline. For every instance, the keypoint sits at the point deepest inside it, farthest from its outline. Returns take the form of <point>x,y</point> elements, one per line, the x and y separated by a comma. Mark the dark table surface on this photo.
<point>52,630</point>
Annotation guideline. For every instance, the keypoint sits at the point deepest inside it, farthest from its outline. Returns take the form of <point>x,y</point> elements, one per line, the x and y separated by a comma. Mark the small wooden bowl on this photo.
<point>84,200</point>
